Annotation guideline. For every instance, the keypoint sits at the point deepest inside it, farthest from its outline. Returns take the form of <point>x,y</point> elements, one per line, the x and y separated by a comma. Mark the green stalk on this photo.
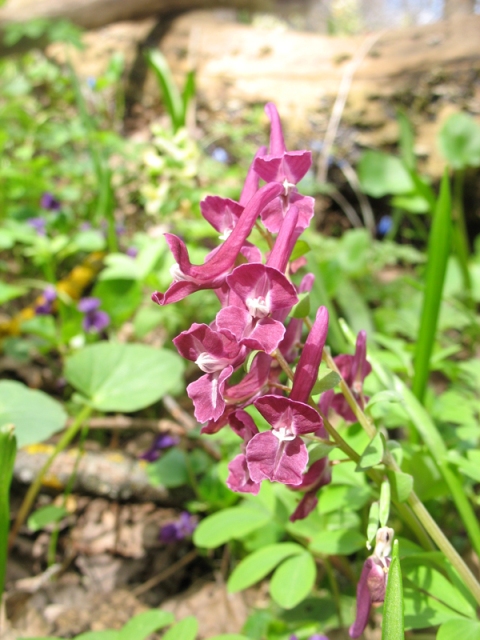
<point>8,450</point>
<point>460,235</point>
<point>36,485</point>
<point>437,258</point>
<point>438,450</point>
<point>52,546</point>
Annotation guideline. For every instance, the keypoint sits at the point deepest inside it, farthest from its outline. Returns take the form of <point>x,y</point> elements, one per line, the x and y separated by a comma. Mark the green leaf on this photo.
<point>293,580</point>
<point>406,139</point>
<point>327,382</point>
<point>381,174</point>
<point>8,450</point>
<point>145,623</point>
<point>373,454</point>
<point>437,258</point>
<point>341,542</point>
<point>384,503</point>
<point>10,291</point>
<point>401,484</point>
<point>421,610</point>
<point>300,249</point>
<point>259,564</point>
<point>459,630</point>
<point>384,396</point>
<point>229,636</point>
<point>45,515</point>
<point>372,527</point>
<point>107,634</point>
<point>170,470</point>
<point>336,497</point>
<point>35,415</point>
<point>229,524</point>
<point>123,377</point>
<point>435,584</point>
<point>171,96</point>
<point>459,141</point>
<point>302,308</point>
<point>186,629</point>
<point>393,626</point>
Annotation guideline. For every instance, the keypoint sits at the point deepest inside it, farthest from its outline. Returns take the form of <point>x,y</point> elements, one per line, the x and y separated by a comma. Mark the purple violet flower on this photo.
<point>373,581</point>
<point>94,320</point>
<point>163,441</point>
<point>49,202</point>
<point>178,530</point>
<point>39,225</point>
<point>45,307</point>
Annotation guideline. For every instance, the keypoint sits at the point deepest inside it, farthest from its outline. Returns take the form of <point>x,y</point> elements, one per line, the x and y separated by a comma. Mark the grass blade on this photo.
<point>171,95</point>
<point>437,257</point>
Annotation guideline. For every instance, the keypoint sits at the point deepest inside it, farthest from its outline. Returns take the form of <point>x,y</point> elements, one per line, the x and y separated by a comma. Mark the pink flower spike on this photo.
<point>285,241</point>
<point>253,383</point>
<point>276,460</point>
<point>206,394</point>
<point>213,272</point>
<point>288,417</point>
<point>243,425</point>
<point>222,213</point>
<point>317,476</point>
<point>250,186</point>
<point>281,165</point>
<point>307,369</point>
<point>211,350</point>
<point>262,289</point>
<point>274,213</point>
<point>277,143</point>
<point>262,334</point>
<point>239,479</point>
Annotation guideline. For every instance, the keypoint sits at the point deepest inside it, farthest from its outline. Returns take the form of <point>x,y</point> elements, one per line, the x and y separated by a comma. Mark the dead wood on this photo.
<point>92,14</point>
<point>110,474</point>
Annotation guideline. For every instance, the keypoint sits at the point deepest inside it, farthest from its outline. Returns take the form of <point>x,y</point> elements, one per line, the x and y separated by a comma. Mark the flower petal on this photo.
<point>268,457</point>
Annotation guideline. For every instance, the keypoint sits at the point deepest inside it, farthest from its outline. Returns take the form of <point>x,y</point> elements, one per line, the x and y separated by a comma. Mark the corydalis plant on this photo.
<point>257,296</point>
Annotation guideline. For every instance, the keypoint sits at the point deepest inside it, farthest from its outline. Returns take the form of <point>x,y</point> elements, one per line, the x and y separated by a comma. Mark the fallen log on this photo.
<point>92,14</point>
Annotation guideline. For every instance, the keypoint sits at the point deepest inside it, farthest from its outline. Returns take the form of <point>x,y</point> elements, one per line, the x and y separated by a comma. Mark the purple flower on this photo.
<point>188,278</point>
<point>163,441</point>
<point>354,369</point>
<point>39,224</point>
<point>317,476</point>
<point>179,529</point>
<point>280,454</point>
<point>132,252</point>
<point>94,320</point>
<point>373,581</point>
<point>316,636</point>
<point>260,290</point>
<point>288,168</point>
<point>49,202</point>
<point>45,306</point>
<point>306,372</point>
<point>217,354</point>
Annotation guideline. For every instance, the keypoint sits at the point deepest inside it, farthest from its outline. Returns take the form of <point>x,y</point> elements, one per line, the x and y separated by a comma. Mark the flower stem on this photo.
<point>36,485</point>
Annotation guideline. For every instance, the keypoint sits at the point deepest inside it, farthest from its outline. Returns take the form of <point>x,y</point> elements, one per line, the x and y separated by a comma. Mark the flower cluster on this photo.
<point>257,296</point>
